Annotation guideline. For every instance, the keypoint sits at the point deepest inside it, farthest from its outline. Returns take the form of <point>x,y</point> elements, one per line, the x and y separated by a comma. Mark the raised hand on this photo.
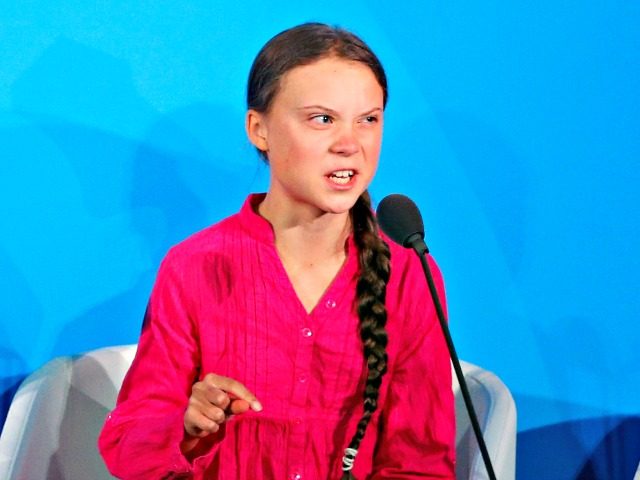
<point>213,400</point>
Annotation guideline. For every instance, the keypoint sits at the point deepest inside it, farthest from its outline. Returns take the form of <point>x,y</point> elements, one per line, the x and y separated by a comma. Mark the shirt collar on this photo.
<point>253,224</point>
<point>260,229</point>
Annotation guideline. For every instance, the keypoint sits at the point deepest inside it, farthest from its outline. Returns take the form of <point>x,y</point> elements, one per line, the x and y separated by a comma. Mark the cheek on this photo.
<point>373,146</point>
<point>285,143</point>
<point>298,152</point>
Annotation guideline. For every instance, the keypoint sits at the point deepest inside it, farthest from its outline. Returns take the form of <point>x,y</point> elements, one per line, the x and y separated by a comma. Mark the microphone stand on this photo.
<point>417,243</point>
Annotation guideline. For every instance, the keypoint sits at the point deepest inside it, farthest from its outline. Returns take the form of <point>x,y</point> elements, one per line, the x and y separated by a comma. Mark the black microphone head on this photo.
<point>399,218</point>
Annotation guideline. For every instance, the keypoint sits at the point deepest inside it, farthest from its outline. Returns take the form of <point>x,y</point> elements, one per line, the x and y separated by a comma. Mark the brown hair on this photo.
<point>302,45</point>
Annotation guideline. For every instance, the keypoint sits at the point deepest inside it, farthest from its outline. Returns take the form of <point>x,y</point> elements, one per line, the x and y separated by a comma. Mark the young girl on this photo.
<point>291,340</point>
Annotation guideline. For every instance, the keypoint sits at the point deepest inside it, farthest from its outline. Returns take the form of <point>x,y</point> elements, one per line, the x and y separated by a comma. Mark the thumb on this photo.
<point>238,405</point>
<point>237,391</point>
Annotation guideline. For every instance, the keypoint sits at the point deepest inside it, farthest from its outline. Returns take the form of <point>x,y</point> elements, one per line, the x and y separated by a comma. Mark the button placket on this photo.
<point>303,360</point>
<point>298,409</point>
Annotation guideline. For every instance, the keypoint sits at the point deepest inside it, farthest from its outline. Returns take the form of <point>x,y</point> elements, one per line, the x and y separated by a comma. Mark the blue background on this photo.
<point>514,126</point>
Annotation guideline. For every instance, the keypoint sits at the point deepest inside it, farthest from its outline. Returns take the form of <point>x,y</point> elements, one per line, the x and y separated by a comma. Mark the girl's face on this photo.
<point>322,135</point>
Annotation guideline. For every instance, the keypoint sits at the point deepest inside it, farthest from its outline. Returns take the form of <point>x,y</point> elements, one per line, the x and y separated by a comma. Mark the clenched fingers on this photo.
<point>212,401</point>
<point>235,388</point>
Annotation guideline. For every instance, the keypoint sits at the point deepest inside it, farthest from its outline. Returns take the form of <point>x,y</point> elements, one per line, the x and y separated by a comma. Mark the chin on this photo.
<point>342,206</point>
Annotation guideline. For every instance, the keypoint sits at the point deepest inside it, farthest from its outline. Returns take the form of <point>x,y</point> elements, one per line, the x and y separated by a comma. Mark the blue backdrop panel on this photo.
<point>513,125</point>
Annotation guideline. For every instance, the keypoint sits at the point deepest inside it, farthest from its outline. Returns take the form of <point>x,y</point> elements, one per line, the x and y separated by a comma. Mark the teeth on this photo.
<point>340,180</point>
<point>343,174</point>
<point>341,177</point>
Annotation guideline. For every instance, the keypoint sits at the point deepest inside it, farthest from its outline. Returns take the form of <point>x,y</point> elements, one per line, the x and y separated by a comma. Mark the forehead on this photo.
<point>328,78</point>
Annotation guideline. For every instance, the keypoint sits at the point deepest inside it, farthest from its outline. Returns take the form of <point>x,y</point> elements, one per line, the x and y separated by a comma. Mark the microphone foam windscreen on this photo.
<point>399,217</point>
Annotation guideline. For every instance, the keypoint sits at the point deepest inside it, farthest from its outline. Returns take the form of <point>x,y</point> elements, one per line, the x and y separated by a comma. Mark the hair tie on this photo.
<point>348,459</point>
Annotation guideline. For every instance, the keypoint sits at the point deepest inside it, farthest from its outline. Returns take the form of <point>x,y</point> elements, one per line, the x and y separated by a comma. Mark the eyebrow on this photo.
<point>333,112</point>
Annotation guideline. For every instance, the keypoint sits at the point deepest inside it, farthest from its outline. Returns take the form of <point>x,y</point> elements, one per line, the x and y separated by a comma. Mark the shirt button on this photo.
<point>306,332</point>
<point>297,421</point>
<point>295,476</point>
<point>331,304</point>
<point>302,378</point>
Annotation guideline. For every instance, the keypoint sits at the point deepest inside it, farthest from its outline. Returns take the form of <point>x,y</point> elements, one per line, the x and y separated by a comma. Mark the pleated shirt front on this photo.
<point>223,303</point>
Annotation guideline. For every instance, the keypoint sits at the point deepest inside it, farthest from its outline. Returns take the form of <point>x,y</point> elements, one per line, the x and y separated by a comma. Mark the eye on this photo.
<point>370,119</point>
<point>322,119</point>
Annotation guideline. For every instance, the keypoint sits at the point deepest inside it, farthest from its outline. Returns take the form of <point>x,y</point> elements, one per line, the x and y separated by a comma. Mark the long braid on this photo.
<point>374,256</point>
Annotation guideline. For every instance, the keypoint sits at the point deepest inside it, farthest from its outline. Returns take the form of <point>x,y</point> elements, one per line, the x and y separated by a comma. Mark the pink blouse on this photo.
<point>223,303</point>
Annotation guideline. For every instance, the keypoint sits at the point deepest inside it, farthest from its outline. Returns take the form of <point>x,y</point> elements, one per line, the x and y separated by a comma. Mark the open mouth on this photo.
<point>341,177</point>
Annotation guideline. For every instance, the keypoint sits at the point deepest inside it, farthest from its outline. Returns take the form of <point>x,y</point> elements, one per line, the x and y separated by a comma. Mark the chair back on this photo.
<point>496,412</point>
<point>56,416</point>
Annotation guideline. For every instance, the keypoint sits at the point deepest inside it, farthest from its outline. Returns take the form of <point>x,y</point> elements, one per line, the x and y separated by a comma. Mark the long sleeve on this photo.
<point>417,438</point>
<point>141,437</point>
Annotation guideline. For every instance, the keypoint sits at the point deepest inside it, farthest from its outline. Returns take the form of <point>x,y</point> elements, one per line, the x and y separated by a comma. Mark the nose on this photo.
<point>346,142</point>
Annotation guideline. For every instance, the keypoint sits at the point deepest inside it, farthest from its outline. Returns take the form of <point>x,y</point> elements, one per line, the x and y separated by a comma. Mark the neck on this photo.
<point>306,232</point>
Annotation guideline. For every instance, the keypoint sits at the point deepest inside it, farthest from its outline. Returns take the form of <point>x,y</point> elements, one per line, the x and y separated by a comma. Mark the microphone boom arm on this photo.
<point>421,249</point>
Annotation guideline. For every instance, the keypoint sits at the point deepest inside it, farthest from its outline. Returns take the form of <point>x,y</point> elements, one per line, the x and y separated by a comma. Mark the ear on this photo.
<point>255,125</point>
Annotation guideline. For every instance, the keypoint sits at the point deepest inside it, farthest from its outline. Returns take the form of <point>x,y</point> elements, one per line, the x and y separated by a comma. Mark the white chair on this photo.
<point>496,412</point>
<point>57,413</point>
<point>52,427</point>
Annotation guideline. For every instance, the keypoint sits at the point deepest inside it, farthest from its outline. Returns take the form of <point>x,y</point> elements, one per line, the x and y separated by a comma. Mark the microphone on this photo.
<point>400,219</point>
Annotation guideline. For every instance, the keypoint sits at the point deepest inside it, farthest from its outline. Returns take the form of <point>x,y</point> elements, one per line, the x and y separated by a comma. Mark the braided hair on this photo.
<point>373,258</point>
<point>302,45</point>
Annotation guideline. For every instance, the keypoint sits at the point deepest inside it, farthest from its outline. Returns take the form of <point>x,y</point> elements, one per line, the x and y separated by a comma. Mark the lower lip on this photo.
<point>342,186</point>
